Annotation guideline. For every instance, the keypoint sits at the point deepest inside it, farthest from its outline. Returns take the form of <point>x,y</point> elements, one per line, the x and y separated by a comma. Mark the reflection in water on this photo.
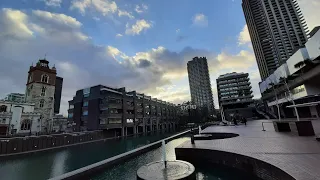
<point>128,169</point>
<point>59,163</point>
<point>44,165</point>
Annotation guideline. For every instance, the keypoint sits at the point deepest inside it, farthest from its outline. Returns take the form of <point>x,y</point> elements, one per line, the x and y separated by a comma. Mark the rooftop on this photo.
<point>230,74</point>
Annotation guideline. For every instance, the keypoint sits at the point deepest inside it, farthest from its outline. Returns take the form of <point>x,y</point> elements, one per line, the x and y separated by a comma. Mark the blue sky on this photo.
<point>141,44</point>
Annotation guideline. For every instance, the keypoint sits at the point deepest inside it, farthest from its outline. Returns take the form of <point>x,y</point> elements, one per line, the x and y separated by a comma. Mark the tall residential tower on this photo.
<point>199,82</point>
<point>277,29</point>
<point>234,90</point>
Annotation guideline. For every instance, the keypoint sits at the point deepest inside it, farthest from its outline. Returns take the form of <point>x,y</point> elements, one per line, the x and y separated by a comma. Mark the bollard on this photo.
<point>263,127</point>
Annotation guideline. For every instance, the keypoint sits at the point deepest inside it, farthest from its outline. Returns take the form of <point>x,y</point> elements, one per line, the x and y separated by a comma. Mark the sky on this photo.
<point>143,45</point>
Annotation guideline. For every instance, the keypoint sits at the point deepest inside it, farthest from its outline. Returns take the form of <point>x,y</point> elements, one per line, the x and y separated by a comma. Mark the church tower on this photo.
<point>40,89</point>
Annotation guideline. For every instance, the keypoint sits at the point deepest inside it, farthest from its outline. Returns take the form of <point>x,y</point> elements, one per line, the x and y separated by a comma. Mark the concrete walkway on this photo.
<point>297,156</point>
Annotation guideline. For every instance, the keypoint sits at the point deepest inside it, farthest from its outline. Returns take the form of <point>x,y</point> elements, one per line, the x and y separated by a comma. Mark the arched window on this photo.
<point>30,78</point>
<point>41,104</point>
<point>26,124</point>
<point>45,78</point>
<point>3,108</point>
<point>43,91</point>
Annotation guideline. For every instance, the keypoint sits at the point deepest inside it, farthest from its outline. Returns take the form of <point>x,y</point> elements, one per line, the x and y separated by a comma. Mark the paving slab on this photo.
<point>297,156</point>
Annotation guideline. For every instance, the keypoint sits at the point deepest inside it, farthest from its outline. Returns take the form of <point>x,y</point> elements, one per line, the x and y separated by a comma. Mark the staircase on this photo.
<point>270,114</point>
<point>263,114</point>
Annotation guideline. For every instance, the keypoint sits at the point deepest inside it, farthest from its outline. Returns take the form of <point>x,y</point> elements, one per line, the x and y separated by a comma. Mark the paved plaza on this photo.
<point>297,156</point>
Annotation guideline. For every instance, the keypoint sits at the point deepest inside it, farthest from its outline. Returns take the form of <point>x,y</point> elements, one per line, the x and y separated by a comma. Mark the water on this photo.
<point>128,169</point>
<point>49,164</point>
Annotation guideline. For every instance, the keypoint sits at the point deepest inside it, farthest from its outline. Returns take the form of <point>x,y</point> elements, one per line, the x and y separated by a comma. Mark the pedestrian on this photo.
<point>235,118</point>
<point>244,121</point>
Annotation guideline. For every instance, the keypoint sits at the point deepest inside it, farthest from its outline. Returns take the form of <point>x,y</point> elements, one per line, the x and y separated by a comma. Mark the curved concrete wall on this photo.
<point>246,164</point>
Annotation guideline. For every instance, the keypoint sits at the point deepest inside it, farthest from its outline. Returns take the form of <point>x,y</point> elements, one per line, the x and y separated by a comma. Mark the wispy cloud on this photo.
<point>141,8</point>
<point>200,20</point>
<point>138,27</point>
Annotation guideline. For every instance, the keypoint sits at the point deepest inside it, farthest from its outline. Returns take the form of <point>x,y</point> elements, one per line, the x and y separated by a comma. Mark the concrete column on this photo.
<point>144,126</point>
<point>126,131</point>
<point>314,112</point>
<point>134,129</point>
<point>123,131</point>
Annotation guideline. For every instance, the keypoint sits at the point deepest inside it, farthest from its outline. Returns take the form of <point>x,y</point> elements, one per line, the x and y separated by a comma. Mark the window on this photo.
<point>43,91</point>
<point>85,104</point>
<point>114,120</point>
<point>26,124</point>
<point>86,92</point>
<point>3,108</point>
<point>45,78</point>
<point>71,106</point>
<point>41,104</point>
<point>3,121</point>
<point>30,78</point>
<point>85,113</point>
<point>70,115</point>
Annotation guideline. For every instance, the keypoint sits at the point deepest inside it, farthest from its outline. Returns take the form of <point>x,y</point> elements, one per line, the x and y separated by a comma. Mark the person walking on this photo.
<point>235,118</point>
<point>244,121</point>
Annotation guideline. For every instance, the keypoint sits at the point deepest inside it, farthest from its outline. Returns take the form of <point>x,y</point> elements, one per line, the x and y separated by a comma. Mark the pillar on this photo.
<point>122,131</point>
<point>134,130</point>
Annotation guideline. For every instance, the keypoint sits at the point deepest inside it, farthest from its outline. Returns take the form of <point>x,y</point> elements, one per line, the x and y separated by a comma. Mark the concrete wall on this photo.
<point>86,172</point>
<point>298,56</point>
<point>30,144</point>
<point>243,163</point>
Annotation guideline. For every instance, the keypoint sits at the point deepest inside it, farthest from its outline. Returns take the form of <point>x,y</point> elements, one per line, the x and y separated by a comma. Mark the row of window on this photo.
<point>44,78</point>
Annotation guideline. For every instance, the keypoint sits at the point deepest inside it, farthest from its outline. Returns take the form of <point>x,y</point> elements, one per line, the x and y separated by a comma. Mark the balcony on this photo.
<point>111,115</point>
<point>111,105</point>
<point>237,102</point>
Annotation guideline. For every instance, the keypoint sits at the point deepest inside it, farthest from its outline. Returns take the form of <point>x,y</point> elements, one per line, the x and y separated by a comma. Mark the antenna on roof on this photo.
<point>45,55</point>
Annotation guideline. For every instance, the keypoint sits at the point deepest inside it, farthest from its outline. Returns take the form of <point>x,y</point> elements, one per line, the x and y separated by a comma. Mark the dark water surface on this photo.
<point>128,169</point>
<point>44,165</point>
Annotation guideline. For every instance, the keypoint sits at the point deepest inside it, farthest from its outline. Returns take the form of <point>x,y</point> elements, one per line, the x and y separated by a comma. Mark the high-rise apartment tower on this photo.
<point>199,82</point>
<point>277,29</point>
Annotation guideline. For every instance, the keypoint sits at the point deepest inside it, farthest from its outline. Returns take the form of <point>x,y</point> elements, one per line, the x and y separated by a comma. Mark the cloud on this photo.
<point>144,63</point>
<point>140,9</point>
<point>119,35</point>
<point>200,20</point>
<point>244,36</point>
<point>105,7</point>
<point>57,19</point>
<point>125,13</point>
<point>53,3</point>
<point>138,27</point>
<point>181,38</point>
<point>96,18</point>
<point>309,8</point>
<point>177,30</point>
<point>158,71</point>
<point>14,24</point>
